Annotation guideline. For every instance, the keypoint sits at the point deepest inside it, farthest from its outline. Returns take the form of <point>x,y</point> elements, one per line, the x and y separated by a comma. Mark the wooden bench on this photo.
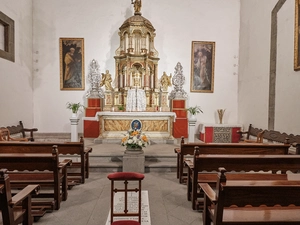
<point>203,168</point>
<point>15,209</point>
<point>43,169</point>
<point>20,131</point>
<point>64,149</point>
<point>251,202</point>
<point>225,148</point>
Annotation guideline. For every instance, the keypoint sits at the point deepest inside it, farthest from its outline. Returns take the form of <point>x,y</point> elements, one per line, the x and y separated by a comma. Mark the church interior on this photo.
<point>194,71</point>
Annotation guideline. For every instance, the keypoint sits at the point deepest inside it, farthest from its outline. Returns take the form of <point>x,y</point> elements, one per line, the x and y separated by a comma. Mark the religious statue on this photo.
<point>106,81</point>
<point>137,4</point>
<point>165,81</point>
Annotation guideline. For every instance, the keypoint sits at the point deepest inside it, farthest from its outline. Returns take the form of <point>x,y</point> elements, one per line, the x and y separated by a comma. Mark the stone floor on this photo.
<point>88,204</point>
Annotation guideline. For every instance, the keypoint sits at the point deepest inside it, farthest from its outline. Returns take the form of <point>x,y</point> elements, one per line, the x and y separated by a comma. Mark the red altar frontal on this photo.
<point>219,133</point>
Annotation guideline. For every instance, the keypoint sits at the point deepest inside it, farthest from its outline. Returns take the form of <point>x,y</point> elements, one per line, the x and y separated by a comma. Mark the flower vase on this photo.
<point>221,119</point>
<point>132,150</point>
<point>221,114</point>
<point>193,118</point>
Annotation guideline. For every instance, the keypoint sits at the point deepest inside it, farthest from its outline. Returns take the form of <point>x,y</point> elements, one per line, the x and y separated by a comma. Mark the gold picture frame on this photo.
<point>71,51</point>
<point>296,38</point>
<point>202,66</point>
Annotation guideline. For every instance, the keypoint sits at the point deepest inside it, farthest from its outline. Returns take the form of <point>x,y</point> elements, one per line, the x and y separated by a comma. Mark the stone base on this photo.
<point>118,141</point>
<point>134,161</point>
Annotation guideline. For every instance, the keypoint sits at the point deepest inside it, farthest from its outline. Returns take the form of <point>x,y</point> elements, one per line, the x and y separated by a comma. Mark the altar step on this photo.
<point>113,163</point>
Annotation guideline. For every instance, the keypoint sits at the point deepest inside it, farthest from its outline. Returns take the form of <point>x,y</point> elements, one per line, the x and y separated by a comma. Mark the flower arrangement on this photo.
<point>135,139</point>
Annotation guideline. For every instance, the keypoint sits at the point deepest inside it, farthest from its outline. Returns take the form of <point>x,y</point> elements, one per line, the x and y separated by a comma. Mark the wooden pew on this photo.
<point>15,209</point>
<point>203,168</point>
<point>251,202</point>
<point>43,169</point>
<point>225,148</point>
<point>64,149</point>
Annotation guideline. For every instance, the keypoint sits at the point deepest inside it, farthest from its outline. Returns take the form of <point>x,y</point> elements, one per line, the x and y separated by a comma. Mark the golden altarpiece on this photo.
<point>136,70</point>
<point>136,66</point>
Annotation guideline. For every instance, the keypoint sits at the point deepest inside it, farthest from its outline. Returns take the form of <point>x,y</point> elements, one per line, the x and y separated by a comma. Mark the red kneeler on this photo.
<point>126,177</point>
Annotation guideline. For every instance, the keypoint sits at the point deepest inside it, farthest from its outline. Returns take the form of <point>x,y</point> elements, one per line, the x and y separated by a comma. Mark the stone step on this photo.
<point>113,163</point>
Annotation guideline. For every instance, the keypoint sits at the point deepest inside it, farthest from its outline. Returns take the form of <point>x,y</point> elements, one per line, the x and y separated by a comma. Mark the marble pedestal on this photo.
<point>74,129</point>
<point>134,161</point>
<point>192,124</point>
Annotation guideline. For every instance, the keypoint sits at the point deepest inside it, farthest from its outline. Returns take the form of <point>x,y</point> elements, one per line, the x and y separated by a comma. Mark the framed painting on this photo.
<point>296,38</point>
<point>71,52</point>
<point>202,66</point>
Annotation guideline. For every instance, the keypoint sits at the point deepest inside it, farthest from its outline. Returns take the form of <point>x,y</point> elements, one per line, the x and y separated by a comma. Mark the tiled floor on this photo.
<point>88,204</point>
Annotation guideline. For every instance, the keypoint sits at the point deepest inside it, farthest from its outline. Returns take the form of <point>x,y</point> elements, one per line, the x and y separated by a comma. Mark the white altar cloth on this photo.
<point>137,114</point>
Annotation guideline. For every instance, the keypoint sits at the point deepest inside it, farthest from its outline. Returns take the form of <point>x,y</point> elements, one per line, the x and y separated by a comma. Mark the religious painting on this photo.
<point>202,66</point>
<point>71,64</point>
<point>296,38</point>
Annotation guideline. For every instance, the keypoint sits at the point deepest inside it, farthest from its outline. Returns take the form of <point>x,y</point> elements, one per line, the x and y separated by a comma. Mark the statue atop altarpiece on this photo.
<point>137,4</point>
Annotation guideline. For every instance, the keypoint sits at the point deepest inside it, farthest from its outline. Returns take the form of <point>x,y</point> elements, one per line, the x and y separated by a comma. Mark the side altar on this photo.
<point>158,126</point>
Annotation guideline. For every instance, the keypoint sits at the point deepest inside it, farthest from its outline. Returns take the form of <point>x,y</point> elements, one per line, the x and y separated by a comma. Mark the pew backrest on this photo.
<point>228,148</point>
<point>64,149</point>
<point>265,196</point>
<point>38,168</point>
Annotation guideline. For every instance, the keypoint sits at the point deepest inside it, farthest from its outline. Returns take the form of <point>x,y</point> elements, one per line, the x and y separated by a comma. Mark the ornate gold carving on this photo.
<point>124,125</point>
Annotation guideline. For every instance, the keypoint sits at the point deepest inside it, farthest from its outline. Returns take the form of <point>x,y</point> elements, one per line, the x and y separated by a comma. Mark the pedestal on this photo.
<point>134,161</point>
<point>180,126</point>
<point>74,129</point>
<point>192,125</point>
<point>90,125</point>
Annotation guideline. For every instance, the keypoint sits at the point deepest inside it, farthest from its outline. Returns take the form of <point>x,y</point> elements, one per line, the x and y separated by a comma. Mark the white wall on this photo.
<point>254,67</point>
<point>177,24</point>
<point>16,86</point>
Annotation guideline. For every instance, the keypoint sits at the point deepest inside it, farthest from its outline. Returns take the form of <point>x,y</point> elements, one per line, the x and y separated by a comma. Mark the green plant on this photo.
<point>194,110</point>
<point>75,107</point>
<point>121,107</point>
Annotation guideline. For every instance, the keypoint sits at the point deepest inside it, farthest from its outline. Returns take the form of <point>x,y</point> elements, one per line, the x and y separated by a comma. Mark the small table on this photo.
<point>219,133</point>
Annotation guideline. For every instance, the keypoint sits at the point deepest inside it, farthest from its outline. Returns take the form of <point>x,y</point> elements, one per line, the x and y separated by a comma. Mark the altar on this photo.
<point>158,126</point>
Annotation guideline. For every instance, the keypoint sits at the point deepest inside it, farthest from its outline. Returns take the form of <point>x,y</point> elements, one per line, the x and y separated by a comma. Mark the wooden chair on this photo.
<point>126,178</point>
<point>259,138</point>
<point>21,130</point>
<point>16,209</point>
<point>5,136</point>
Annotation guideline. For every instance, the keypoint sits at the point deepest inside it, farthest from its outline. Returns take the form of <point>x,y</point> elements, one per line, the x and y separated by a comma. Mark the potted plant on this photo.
<point>75,107</point>
<point>121,108</point>
<point>194,110</point>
